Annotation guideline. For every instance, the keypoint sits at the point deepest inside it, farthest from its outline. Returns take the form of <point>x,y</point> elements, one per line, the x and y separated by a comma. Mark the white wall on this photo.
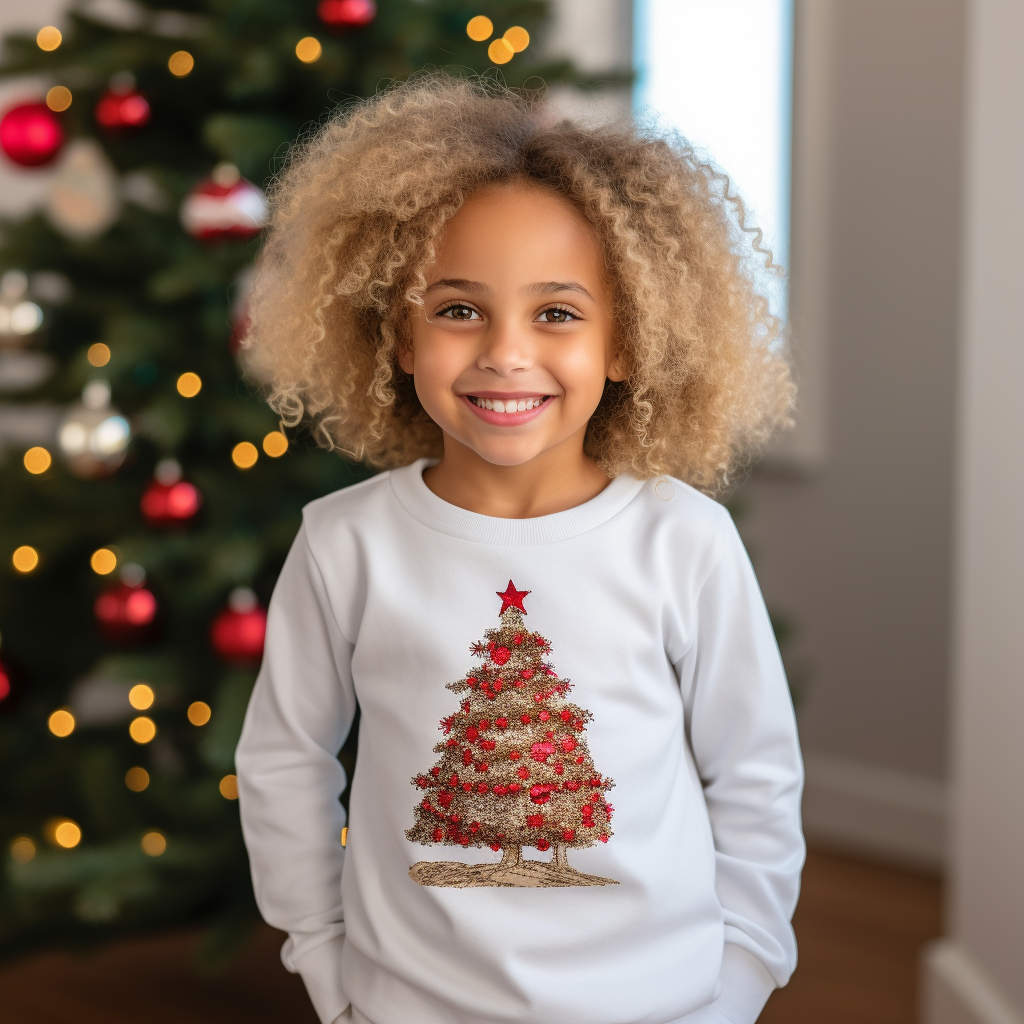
<point>976,976</point>
<point>858,554</point>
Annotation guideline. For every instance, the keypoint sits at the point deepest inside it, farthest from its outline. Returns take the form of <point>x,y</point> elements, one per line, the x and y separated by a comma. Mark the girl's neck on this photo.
<point>558,479</point>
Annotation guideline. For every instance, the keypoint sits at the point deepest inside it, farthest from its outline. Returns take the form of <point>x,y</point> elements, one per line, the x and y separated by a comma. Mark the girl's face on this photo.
<point>513,344</point>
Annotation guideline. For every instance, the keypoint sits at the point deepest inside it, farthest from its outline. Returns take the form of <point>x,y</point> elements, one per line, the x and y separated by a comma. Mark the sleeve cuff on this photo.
<point>320,970</point>
<point>746,986</point>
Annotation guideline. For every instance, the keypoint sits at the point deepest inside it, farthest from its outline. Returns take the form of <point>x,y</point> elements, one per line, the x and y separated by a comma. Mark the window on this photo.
<point>720,71</point>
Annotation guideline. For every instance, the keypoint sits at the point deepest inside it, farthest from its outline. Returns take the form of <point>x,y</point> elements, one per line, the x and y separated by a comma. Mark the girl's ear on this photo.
<point>405,359</point>
<point>616,369</point>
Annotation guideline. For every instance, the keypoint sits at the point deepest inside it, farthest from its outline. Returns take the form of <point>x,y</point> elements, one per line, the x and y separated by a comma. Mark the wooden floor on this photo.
<point>860,927</point>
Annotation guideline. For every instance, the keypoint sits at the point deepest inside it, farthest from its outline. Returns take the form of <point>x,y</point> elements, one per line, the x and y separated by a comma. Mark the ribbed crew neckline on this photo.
<point>426,507</point>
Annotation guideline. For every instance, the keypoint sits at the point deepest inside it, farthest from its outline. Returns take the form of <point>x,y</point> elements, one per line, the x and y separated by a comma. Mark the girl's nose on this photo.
<point>506,348</point>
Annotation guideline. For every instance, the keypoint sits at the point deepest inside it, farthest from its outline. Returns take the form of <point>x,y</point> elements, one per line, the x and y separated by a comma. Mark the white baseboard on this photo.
<point>882,813</point>
<point>956,990</point>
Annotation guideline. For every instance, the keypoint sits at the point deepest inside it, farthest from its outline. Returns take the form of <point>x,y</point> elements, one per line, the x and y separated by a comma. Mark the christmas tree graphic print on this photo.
<point>514,769</point>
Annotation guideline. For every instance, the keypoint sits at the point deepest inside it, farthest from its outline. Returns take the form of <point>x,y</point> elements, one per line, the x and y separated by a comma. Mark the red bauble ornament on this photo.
<point>119,109</point>
<point>169,500</point>
<point>5,683</point>
<point>126,612</point>
<point>225,206</point>
<point>346,13</point>
<point>30,134</point>
<point>238,632</point>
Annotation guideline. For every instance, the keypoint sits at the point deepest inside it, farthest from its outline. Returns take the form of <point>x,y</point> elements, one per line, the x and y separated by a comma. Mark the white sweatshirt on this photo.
<point>658,820</point>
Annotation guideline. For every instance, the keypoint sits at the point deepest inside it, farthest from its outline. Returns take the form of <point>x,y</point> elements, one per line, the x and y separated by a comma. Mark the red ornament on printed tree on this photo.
<point>169,500</point>
<point>126,612</point>
<point>225,206</point>
<point>122,105</point>
<point>238,632</point>
<point>346,13</point>
<point>30,134</point>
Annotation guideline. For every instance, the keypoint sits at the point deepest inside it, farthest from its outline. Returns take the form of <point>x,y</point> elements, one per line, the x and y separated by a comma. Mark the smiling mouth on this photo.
<point>509,405</point>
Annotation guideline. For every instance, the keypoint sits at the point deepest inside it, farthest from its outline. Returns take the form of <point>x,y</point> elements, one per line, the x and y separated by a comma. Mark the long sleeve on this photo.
<point>743,736</point>
<point>290,779</point>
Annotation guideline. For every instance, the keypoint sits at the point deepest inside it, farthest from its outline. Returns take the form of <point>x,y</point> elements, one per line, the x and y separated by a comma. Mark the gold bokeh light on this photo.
<point>228,787</point>
<point>244,455</point>
<point>25,558</point>
<point>48,38</point>
<point>199,712</point>
<point>22,850</point>
<point>142,729</point>
<point>141,696</point>
<point>98,354</point>
<point>308,49</point>
<point>153,843</point>
<point>37,460</point>
<point>517,37</point>
<point>103,561</point>
<point>479,28</point>
<point>61,723</point>
<point>67,834</point>
<point>180,63</point>
<point>189,384</point>
<point>136,779</point>
<point>58,98</point>
<point>275,444</point>
<point>500,51</point>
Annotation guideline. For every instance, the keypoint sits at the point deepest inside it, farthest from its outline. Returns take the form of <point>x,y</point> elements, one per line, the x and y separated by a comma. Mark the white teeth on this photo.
<point>512,405</point>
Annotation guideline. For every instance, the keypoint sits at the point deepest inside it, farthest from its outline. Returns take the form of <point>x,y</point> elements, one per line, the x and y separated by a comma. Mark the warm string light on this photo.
<point>308,49</point>
<point>22,850</point>
<point>141,696</point>
<point>199,712</point>
<point>517,37</point>
<point>98,354</point>
<point>58,98</point>
<point>142,729</point>
<point>136,779</point>
<point>66,833</point>
<point>180,63</point>
<point>61,723</point>
<point>500,51</point>
<point>103,562</point>
<point>48,38</point>
<point>244,455</point>
<point>479,28</point>
<point>275,444</point>
<point>228,787</point>
<point>153,843</point>
<point>189,384</point>
<point>25,558</point>
<point>37,460</point>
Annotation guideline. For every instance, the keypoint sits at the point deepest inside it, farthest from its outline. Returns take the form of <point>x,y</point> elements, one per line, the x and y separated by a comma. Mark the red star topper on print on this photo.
<point>512,598</point>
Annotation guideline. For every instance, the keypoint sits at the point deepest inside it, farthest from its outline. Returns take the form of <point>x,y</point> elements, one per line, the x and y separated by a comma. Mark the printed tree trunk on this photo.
<point>514,769</point>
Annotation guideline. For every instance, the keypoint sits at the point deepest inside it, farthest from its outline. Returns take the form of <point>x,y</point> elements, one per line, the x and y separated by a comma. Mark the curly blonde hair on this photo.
<point>356,216</point>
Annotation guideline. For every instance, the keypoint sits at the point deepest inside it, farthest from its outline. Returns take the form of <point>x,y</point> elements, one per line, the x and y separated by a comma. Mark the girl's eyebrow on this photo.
<point>559,286</point>
<point>459,282</point>
<point>541,288</point>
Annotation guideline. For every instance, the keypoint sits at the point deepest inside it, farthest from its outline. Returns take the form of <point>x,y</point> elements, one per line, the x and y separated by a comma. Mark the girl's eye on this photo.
<point>557,315</point>
<point>460,312</point>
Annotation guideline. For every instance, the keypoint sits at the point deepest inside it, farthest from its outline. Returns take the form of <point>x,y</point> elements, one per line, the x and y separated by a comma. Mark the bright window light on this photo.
<point>720,72</point>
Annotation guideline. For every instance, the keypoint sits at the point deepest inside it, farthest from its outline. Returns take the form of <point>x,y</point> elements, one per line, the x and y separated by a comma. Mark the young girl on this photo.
<point>547,332</point>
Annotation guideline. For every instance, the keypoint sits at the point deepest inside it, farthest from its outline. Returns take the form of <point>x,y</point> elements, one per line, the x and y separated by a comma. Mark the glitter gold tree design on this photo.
<point>514,770</point>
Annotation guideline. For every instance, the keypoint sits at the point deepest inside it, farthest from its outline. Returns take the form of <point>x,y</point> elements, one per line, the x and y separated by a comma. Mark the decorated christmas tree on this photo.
<point>148,495</point>
<point>514,769</point>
